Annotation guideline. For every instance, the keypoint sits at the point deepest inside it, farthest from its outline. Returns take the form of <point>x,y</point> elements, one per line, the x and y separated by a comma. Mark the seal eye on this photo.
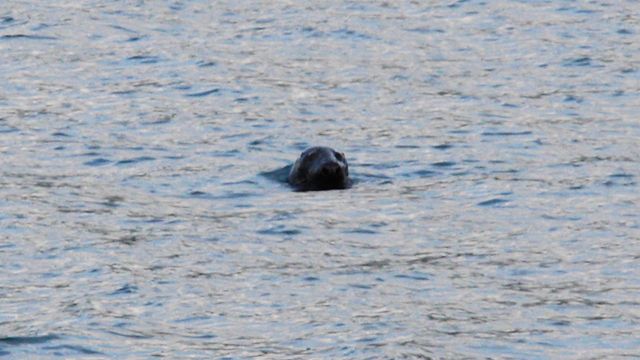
<point>338,156</point>
<point>309,156</point>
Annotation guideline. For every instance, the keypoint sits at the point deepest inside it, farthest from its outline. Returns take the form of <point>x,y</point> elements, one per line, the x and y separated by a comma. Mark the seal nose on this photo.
<point>330,169</point>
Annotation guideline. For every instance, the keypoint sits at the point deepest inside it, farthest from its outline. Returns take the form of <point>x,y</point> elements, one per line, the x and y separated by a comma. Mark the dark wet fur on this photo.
<point>320,168</point>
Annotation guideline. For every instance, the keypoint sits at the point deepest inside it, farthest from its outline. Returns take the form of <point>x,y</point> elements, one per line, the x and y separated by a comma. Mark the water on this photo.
<point>494,147</point>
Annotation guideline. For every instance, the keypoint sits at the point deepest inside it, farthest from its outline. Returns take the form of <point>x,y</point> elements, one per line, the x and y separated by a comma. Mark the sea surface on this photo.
<point>494,148</point>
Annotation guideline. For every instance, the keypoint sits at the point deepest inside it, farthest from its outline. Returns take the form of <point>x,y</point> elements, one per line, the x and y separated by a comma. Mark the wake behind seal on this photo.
<point>320,168</point>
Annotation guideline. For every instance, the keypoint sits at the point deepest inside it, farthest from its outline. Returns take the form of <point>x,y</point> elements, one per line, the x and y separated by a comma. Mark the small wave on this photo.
<point>204,93</point>
<point>20,340</point>
<point>144,59</point>
<point>135,160</point>
<point>414,276</point>
<point>126,289</point>
<point>621,175</point>
<point>279,230</point>
<point>620,179</point>
<point>443,164</point>
<point>420,173</point>
<point>206,63</point>
<point>581,61</point>
<point>279,175</point>
<point>362,231</point>
<point>27,36</point>
<point>97,162</point>
<point>128,239</point>
<point>442,147</point>
<point>129,335</point>
<point>7,129</point>
<point>60,134</point>
<point>199,193</point>
<point>230,195</point>
<point>493,202</point>
<point>506,133</point>
<point>123,92</point>
<point>74,348</point>
<point>425,30</point>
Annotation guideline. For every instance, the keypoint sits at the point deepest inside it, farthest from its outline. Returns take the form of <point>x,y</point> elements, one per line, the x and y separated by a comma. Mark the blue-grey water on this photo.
<point>495,148</point>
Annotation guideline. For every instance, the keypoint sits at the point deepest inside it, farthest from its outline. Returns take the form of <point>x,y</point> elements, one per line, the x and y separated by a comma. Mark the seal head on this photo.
<point>320,168</point>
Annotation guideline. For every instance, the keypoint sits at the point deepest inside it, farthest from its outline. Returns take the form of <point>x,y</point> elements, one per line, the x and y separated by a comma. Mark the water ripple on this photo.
<point>493,147</point>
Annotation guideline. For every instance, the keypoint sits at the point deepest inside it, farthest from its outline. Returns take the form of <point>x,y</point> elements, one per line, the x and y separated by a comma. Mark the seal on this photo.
<point>320,168</point>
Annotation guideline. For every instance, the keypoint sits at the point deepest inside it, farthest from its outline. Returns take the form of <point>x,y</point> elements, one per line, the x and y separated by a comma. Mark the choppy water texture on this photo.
<point>495,147</point>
